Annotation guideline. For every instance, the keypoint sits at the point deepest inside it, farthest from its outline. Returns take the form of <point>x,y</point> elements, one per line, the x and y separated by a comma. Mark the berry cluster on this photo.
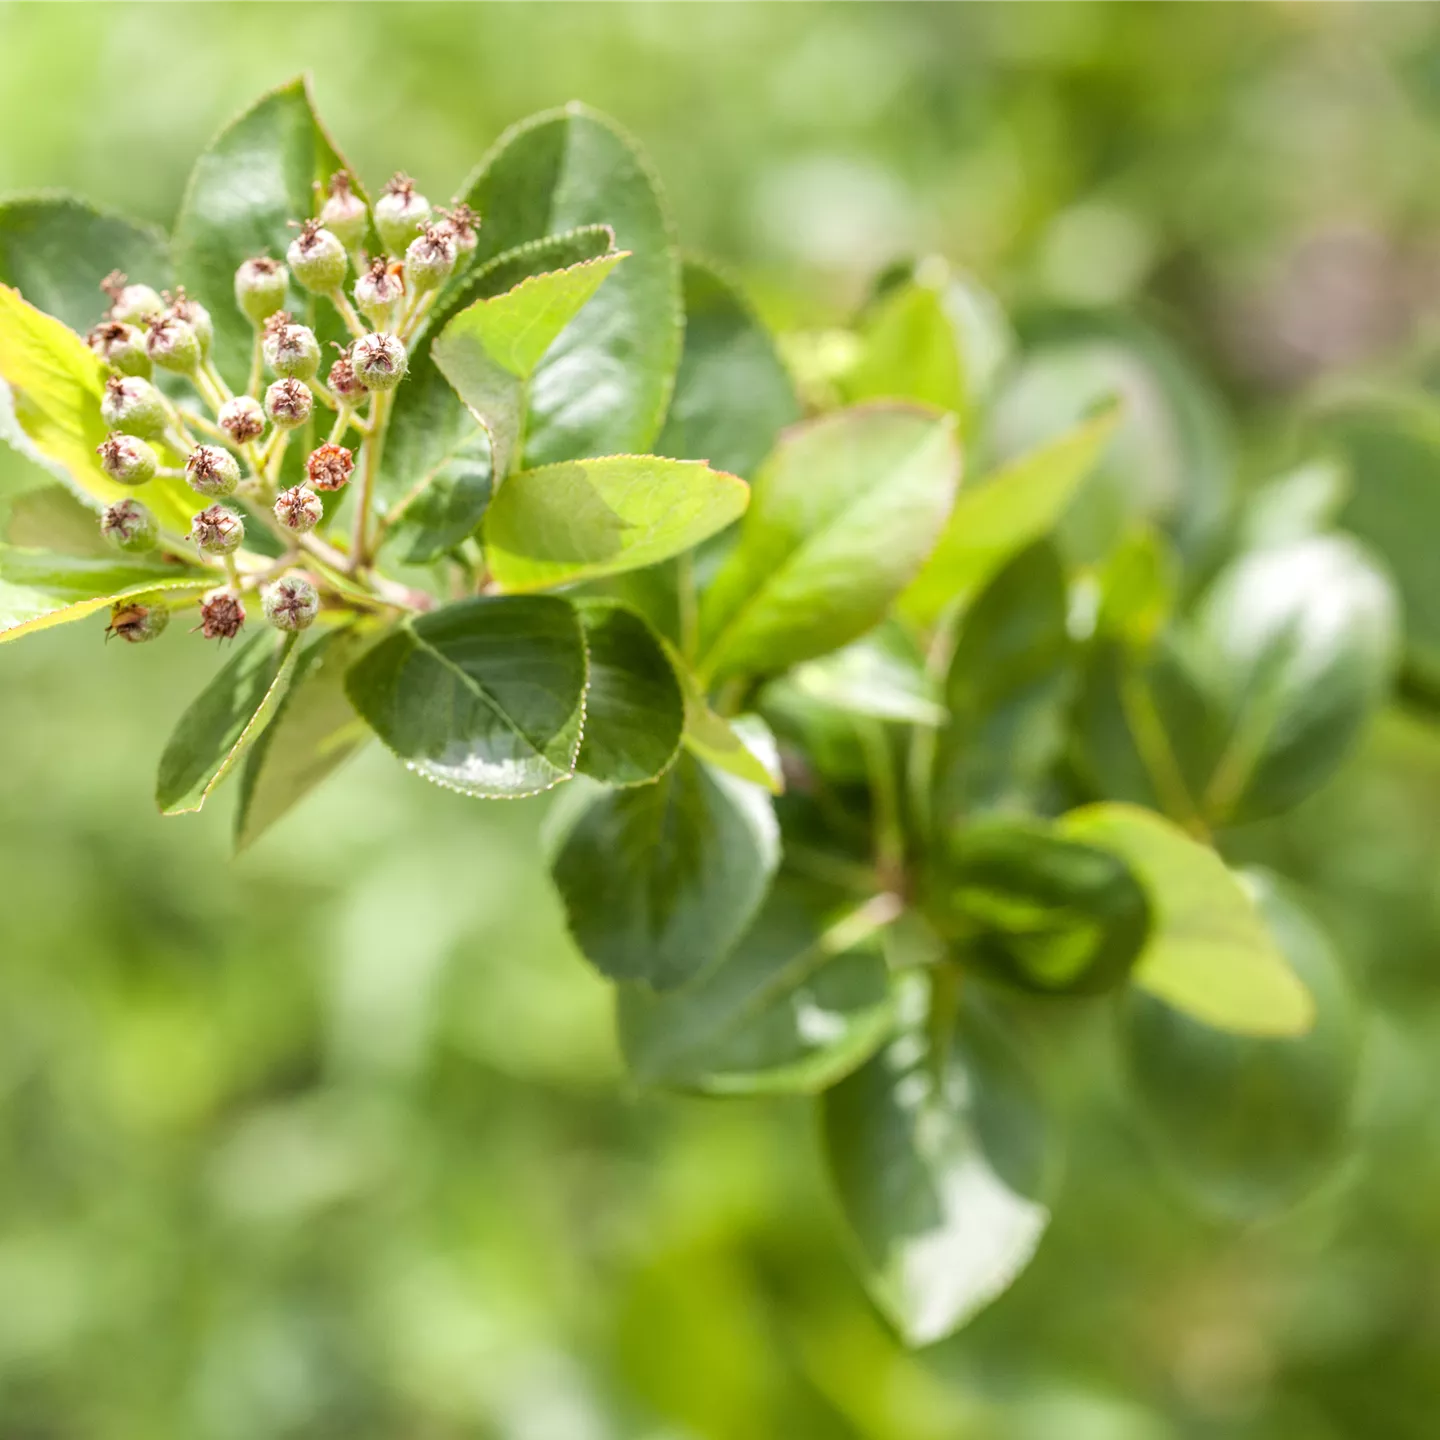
<point>236,450</point>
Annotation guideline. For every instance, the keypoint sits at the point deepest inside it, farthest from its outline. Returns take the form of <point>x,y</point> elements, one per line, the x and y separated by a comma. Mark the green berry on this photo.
<point>121,346</point>
<point>291,351</point>
<point>401,213</point>
<point>134,406</point>
<point>343,214</point>
<point>196,316</point>
<point>242,419</point>
<point>430,259</point>
<point>317,259</point>
<point>135,623</point>
<point>126,459</point>
<point>129,526</point>
<point>260,286</point>
<point>288,403</point>
<point>291,603</point>
<point>378,291</point>
<point>299,509</point>
<point>130,304</point>
<point>212,471</point>
<point>379,361</point>
<point>462,223</point>
<point>217,530</point>
<point>173,344</point>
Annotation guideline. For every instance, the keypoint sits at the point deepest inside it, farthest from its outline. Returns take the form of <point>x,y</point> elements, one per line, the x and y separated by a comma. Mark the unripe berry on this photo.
<point>317,259</point>
<point>379,361</point>
<point>195,315</point>
<point>134,406</point>
<point>401,213</point>
<point>288,403</point>
<point>299,509</point>
<point>217,530</point>
<point>329,467</point>
<point>430,259</point>
<point>135,623</point>
<point>260,286</point>
<point>221,615</point>
<point>126,460</point>
<point>129,526</point>
<point>120,346</point>
<point>212,471</point>
<point>173,344</point>
<point>291,603</point>
<point>462,223</point>
<point>343,381</point>
<point>130,304</point>
<point>343,213</point>
<point>291,351</point>
<point>242,419</point>
<point>379,290</point>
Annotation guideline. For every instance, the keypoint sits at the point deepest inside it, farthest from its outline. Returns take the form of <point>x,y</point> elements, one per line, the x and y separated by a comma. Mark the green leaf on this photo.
<point>744,748</point>
<point>634,708</point>
<point>55,250</point>
<point>844,514</point>
<point>39,589</point>
<point>1007,692</point>
<point>490,350</point>
<point>604,388</point>
<point>908,351</point>
<point>941,1164</point>
<point>226,718</point>
<point>50,410</point>
<point>257,175</point>
<point>314,731</point>
<point>1300,503</point>
<point>1209,953</point>
<point>1250,1124</point>
<point>1138,585</point>
<point>1037,911</point>
<point>800,1002</point>
<point>660,881</point>
<point>881,675</point>
<point>450,508</point>
<point>733,395</point>
<point>1390,446</point>
<point>485,697</point>
<point>997,517</point>
<point>590,518</point>
<point>49,517</point>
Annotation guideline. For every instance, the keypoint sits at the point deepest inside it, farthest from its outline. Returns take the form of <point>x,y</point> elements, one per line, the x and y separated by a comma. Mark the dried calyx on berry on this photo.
<point>329,467</point>
<point>317,258</point>
<point>136,623</point>
<point>212,471</point>
<point>299,509</point>
<point>379,290</point>
<point>260,286</point>
<point>291,603</point>
<point>221,615</point>
<point>342,380</point>
<point>129,526</point>
<point>242,419</point>
<point>401,213</point>
<point>130,304</point>
<point>218,530</point>
<point>120,346</point>
<point>126,459</point>
<point>172,344</point>
<point>343,214</point>
<point>379,361</point>
<point>430,258</point>
<point>134,406</point>
<point>195,315</point>
<point>291,351</point>
<point>288,403</point>
<point>463,224</point>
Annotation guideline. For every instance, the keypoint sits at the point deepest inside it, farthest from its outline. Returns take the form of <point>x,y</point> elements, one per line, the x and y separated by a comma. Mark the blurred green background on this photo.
<point>332,1140</point>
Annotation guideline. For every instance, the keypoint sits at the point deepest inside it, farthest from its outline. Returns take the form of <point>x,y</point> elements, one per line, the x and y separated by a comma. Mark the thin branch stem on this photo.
<point>369,468</point>
<point>353,323</point>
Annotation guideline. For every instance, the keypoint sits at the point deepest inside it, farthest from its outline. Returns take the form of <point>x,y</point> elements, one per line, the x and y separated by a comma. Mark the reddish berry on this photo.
<point>221,615</point>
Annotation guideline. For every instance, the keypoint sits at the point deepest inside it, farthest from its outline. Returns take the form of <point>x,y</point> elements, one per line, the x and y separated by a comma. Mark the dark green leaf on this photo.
<point>226,718</point>
<point>733,395</point>
<point>801,1001</point>
<point>661,880</point>
<point>314,731</point>
<point>450,508</point>
<point>604,388</point>
<point>1250,1124</point>
<point>55,250</point>
<point>843,515</point>
<point>485,696</point>
<point>942,1165</point>
<point>634,708</point>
